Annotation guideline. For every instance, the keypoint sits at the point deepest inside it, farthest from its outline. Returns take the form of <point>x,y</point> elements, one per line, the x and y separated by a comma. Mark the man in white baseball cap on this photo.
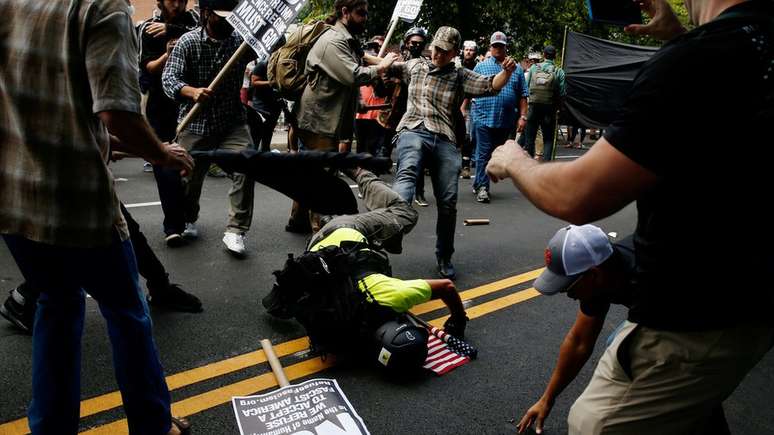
<point>572,251</point>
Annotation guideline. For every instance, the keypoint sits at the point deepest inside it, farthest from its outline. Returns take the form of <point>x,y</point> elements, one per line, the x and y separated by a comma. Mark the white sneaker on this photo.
<point>235,243</point>
<point>190,232</point>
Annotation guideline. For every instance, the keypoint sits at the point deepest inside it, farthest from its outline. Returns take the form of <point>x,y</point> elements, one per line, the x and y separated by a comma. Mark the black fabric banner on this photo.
<point>303,176</point>
<point>599,74</point>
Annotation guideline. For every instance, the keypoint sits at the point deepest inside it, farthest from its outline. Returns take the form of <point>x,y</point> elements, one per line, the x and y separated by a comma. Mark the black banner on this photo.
<point>599,74</point>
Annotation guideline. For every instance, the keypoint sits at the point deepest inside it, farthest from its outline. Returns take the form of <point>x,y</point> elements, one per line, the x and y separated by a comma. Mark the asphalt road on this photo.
<point>212,356</point>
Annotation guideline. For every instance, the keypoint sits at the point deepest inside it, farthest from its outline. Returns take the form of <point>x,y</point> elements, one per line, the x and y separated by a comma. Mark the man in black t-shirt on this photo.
<point>158,36</point>
<point>266,103</point>
<point>700,315</point>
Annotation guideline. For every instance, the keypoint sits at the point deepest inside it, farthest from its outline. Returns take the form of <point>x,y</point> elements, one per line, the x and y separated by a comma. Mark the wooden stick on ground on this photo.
<point>468,222</point>
<point>274,362</point>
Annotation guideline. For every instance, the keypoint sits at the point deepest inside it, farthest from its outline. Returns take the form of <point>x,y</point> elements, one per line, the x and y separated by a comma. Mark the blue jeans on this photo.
<point>420,148</point>
<point>487,139</point>
<point>109,275</point>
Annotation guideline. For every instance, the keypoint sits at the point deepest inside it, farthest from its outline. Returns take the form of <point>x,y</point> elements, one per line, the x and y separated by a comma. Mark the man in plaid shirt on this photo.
<point>426,134</point>
<point>196,59</point>
<point>59,213</point>
<point>494,117</point>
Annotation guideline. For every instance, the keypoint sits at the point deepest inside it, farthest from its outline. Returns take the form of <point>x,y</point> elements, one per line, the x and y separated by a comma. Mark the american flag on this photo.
<point>445,353</point>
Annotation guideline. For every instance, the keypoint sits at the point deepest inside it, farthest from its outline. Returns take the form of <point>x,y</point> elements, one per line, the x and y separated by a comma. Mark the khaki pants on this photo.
<point>241,195</point>
<point>651,381</point>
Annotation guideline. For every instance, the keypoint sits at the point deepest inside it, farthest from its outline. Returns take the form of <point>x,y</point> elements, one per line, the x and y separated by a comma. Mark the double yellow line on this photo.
<point>222,395</point>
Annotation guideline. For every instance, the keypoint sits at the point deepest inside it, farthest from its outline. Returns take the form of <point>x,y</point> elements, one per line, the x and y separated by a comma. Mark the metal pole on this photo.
<point>556,122</point>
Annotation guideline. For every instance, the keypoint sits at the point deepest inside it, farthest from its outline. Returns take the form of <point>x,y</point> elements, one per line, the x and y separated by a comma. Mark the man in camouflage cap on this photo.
<point>426,134</point>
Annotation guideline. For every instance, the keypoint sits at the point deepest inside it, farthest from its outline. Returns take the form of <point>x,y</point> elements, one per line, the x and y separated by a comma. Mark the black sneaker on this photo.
<point>175,240</point>
<point>446,269</point>
<point>17,313</point>
<point>298,228</point>
<point>174,298</point>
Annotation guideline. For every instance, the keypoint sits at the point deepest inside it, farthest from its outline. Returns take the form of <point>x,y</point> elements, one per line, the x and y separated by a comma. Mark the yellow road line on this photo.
<point>223,395</point>
<point>480,291</point>
<point>220,396</point>
<point>112,400</point>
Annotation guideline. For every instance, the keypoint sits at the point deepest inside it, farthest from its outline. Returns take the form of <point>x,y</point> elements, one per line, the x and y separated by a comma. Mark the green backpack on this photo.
<point>543,85</point>
<point>287,64</point>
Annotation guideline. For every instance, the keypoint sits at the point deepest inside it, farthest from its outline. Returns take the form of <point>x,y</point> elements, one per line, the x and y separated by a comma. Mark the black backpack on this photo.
<point>319,289</point>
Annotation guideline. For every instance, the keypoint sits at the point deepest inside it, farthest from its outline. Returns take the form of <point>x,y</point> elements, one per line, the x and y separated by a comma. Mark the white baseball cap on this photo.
<point>572,251</point>
<point>469,44</point>
<point>498,38</point>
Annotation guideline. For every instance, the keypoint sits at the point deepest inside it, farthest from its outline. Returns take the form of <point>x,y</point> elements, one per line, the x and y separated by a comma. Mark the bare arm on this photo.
<point>573,354</point>
<point>445,290</point>
<point>501,79</point>
<point>522,122</point>
<point>258,83</point>
<point>157,66</point>
<point>136,137</point>
<point>594,186</point>
<point>371,59</point>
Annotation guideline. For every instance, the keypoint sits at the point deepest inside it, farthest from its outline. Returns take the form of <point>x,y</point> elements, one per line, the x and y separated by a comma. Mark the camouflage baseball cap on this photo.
<point>447,38</point>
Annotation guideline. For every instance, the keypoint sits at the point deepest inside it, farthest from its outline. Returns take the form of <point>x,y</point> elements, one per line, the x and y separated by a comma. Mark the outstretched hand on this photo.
<point>663,24</point>
<point>536,415</point>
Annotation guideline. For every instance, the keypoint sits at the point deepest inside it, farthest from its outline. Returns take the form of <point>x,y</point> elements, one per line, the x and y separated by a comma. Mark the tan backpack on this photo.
<point>287,63</point>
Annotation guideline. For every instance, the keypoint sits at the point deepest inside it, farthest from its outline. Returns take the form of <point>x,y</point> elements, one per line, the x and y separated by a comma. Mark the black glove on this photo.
<point>455,326</point>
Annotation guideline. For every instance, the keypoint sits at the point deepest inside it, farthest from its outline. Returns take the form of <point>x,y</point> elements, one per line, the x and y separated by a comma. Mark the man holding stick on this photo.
<point>194,62</point>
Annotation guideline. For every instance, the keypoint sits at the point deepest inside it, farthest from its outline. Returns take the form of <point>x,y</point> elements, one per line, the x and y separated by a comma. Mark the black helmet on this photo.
<point>415,31</point>
<point>403,345</point>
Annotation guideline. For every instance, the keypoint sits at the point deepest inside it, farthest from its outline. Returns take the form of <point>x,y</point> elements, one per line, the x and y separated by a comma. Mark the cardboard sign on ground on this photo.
<point>314,407</point>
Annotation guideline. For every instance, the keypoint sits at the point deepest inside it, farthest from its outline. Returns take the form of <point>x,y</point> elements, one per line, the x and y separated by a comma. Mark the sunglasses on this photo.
<point>360,12</point>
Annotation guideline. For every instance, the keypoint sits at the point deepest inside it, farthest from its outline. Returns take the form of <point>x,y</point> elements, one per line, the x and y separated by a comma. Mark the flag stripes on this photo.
<point>441,358</point>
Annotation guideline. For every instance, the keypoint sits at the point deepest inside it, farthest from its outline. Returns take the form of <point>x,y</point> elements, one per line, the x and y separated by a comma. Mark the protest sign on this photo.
<point>261,23</point>
<point>407,10</point>
<point>314,407</point>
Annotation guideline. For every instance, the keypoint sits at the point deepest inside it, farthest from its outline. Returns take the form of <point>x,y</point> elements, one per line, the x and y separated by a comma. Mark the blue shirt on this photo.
<point>499,111</point>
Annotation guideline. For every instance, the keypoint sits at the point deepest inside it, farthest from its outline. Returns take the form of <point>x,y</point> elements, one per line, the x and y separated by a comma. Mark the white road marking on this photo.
<point>143,204</point>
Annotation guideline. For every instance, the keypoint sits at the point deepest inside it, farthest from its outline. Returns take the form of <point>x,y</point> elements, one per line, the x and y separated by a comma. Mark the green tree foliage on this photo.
<point>529,24</point>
